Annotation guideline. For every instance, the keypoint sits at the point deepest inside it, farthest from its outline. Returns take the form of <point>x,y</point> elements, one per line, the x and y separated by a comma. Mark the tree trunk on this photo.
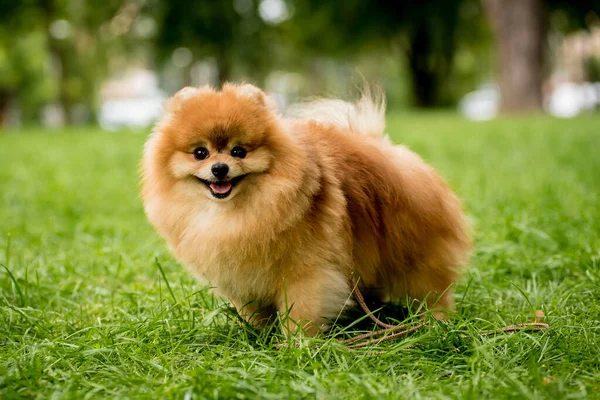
<point>223,67</point>
<point>4,98</point>
<point>60,64</point>
<point>429,69</point>
<point>59,55</point>
<point>423,79</point>
<point>520,28</point>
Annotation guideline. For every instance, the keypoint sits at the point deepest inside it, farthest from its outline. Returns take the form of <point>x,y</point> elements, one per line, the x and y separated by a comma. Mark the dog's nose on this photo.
<point>220,170</point>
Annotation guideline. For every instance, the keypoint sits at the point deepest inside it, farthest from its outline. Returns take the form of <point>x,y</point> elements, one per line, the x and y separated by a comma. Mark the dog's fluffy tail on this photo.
<point>365,117</point>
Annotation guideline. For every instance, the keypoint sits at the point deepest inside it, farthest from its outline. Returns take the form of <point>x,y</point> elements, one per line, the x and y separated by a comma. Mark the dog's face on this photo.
<point>216,144</point>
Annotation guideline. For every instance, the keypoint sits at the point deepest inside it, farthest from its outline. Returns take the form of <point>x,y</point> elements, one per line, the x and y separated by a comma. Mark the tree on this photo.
<point>231,32</point>
<point>82,39</point>
<point>426,31</point>
<point>521,28</point>
<point>22,60</point>
<point>58,51</point>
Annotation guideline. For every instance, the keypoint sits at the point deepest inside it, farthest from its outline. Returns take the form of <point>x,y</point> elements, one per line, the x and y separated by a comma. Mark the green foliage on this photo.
<point>428,34</point>
<point>570,15</point>
<point>441,47</point>
<point>37,67</point>
<point>23,59</point>
<point>232,32</point>
<point>592,69</point>
<point>87,311</point>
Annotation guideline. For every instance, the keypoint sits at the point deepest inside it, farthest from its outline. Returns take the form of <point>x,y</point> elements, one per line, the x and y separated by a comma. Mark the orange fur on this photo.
<point>319,199</point>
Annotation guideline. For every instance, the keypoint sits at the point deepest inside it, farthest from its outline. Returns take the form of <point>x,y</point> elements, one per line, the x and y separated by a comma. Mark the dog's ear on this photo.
<point>253,93</point>
<point>175,103</point>
<point>248,91</point>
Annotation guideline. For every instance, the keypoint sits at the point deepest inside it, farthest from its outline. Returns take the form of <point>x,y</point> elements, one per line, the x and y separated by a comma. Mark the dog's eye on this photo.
<point>201,153</point>
<point>238,152</point>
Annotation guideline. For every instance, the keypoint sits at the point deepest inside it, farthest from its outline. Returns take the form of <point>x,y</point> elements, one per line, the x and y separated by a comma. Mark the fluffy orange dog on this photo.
<point>275,213</point>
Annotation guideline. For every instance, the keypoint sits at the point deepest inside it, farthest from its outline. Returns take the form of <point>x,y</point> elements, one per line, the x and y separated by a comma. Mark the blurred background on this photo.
<point>113,62</point>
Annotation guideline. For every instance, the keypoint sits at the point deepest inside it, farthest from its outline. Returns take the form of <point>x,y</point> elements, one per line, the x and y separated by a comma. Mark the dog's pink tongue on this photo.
<point>220,187</point>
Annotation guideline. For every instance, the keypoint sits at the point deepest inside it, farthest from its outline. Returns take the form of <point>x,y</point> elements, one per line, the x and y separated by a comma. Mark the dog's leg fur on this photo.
<point>254,312</point>
<point>311,301</point>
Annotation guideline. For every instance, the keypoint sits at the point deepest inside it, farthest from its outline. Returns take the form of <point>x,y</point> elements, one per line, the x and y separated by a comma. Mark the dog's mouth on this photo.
<point>222,188</point>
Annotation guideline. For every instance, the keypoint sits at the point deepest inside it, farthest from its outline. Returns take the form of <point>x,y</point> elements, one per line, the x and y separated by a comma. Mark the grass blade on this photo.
<point>17,287</point>
<point>162,272</point>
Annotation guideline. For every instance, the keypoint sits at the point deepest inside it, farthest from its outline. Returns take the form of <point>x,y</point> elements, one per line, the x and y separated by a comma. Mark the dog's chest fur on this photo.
<point>238,258</point>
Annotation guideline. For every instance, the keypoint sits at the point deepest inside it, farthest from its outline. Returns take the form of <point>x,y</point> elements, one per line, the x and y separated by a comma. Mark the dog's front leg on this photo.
<point>309,302</point>
<point>254,312</point>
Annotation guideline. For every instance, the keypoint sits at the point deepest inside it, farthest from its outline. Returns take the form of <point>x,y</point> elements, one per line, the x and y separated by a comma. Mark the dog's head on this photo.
<point>214,144</point>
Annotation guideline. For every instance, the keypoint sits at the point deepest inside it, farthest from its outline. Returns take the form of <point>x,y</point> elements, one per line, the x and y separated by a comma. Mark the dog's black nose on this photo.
<point>220,170</point>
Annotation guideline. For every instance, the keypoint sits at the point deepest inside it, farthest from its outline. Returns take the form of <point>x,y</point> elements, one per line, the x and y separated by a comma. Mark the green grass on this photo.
<point>86,312</point>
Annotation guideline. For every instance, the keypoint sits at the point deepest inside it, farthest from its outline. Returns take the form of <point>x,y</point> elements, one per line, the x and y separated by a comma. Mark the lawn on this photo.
<point>93,305</point>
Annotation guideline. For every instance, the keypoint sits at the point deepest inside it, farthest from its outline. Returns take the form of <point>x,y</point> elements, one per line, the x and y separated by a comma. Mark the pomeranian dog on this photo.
<point>277,213</point>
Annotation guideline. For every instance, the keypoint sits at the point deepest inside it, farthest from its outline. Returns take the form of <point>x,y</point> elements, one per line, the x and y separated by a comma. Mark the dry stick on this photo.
<point>363,305</point>
<point>372,334</point>
<point>530,327</point>
<point>387,327</point>
<point>351,342</point>
<point>386,338</point>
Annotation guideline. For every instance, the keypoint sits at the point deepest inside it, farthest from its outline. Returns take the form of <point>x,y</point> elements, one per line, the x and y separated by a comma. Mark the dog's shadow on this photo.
<point>354,319</point>
<point>350,322</point>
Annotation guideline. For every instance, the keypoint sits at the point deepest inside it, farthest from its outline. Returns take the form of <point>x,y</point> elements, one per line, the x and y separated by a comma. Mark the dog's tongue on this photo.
<point>220,187</point>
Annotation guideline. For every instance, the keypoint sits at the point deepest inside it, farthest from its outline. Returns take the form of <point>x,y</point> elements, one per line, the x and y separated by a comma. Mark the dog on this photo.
<point>277,213</point>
